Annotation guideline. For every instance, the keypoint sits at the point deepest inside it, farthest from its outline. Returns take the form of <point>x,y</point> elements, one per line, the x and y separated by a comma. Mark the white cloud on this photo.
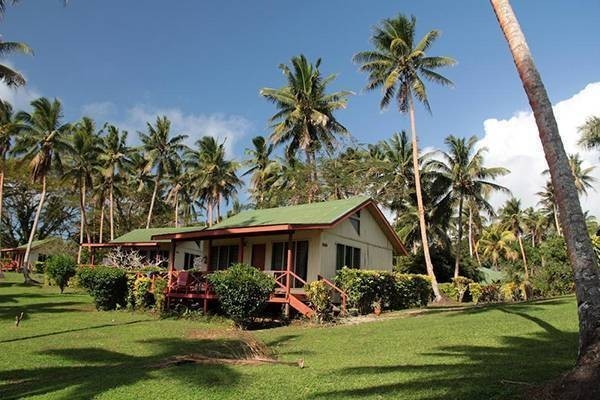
<point>19,97</point>
<point>99,111</point>
<point>514,143</point>
<point>223,127</point>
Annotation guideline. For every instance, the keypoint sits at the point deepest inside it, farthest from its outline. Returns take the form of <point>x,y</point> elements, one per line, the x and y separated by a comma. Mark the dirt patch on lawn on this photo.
<point>228,347</point>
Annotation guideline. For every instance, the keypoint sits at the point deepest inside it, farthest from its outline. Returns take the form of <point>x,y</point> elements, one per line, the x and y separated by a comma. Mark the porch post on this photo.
<point>92,255</point>
<point>171,265</point>
<point>290,260</point>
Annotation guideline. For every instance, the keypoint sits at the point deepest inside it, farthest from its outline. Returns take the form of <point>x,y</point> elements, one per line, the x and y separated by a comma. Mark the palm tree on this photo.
<point>583,176</point>
<point>305,112</point>
<point>496,243</point>
<point>398,65</point>
<point>581,253</point>
<point>548,203</point>
<point>463,167</point>
<point>162,152</point>
<point>513,219</point>
<point>263,169</point>
<point>82,166</point>
<point>536,223</point>
<point>590,133</point>
<point>114,156</point>
<point>214,176</point>
<point>9,128</point>
<point>8,75</point>
<point>42,143</point>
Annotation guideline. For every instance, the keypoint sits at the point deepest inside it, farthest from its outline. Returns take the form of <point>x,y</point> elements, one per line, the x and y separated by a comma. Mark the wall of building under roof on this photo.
<point>190,247</point>
<point>314,248</point>
<point>375,248</point>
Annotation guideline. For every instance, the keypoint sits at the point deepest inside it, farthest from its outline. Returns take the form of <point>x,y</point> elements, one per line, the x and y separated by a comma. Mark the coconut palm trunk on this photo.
<point>581,254</point>
<point>36,220</point>
<point>471,232</point>
<point>459,238</point>
<point>420,208</point>
<point>523,256</point>
<point>111,210</point>
<point>556,224</point>
<point>176,211</point>
<point>84,228</point>
<point>101,229</point>
<point>154,192</point>
<point>210,213</point>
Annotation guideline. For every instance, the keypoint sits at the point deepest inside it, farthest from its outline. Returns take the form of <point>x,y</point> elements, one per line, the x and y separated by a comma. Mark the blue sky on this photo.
<point>205,62</point>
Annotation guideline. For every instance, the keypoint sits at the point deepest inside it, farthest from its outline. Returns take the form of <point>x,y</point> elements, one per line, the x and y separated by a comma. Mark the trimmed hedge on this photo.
<point>392,290</point>
<point>243,292</point>
<point>107,285</point>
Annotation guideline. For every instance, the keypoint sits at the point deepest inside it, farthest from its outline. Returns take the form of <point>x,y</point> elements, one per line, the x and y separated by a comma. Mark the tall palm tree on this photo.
<point>590,133</point>
<point>43,143</point>
<point>305,111</point>
<point>214,176</point>
<point>513,219</point>
<point>263,169</point>
<point>115,159</point>
<point>81,167</point>
<point>463,166</point>
<point>162,152</point>
<point>583,176</point>
<point>536,223</point>
<point>398,65</point>
<point>9,128</point>
<point>548,203</point>
<point>581,253</point>
<point>496,243</point>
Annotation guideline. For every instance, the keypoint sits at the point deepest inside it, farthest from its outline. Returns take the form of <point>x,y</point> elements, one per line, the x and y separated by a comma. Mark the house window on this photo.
<point>222,257</point>
<point>347,256</point>
<point>299,258</point>
<point>188,261</point>
<point>355,221</point>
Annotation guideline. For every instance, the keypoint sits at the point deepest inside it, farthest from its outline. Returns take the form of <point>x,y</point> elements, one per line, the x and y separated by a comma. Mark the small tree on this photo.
<point>243,292</point>
<point>60,269</point>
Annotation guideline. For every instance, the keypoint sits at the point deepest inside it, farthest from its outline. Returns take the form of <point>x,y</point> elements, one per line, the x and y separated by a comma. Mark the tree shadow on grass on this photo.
<point>470,371</point>
<point>51,307</point>
<point>88,372</point>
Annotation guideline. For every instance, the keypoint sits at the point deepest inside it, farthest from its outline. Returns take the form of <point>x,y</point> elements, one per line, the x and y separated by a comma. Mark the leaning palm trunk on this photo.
<point>470,232</point>
<point>420,208</point>
<point>154,192</point>
<point>459,239</point>
<point>36,219</point>
<point>582,383</point>
<point>555,213</point>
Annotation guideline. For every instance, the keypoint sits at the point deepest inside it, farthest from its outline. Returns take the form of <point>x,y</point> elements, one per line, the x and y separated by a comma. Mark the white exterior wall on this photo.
<point>181,248</point>
<point>376,251</point>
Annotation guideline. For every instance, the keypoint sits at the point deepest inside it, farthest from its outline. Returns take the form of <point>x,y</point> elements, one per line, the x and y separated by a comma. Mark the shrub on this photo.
<point>60,269</point>
<point>319,295</point>
<point>476,291</point>
<point>390,289</point>
<point>449,290</point>
<point>243,291</point>
<point>107,285</point>
<point>443,263</point>
<point>160,285</point>
<point>510,291</point>
<point>462,286</point>
<point>141,292</point>
<point>490,293</point>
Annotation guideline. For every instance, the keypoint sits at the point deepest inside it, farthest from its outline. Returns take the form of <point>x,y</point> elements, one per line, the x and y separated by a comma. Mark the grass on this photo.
<point>64,349</point>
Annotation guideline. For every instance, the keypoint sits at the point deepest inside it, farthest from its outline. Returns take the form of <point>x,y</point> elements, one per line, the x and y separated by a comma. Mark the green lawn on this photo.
<point>64,349</point>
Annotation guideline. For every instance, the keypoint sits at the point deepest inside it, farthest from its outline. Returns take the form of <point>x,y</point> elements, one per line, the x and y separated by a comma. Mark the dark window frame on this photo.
<point>347,256</point>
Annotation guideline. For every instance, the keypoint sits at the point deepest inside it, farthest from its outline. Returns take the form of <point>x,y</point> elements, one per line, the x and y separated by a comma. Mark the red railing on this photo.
<point>195,282</point>
<point>343,295</point>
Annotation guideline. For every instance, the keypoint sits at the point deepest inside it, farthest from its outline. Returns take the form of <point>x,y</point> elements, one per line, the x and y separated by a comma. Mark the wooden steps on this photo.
<point>295,301</point>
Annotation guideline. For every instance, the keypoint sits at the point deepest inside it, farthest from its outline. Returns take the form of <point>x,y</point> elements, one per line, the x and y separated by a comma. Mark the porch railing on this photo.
<point>343,295</point>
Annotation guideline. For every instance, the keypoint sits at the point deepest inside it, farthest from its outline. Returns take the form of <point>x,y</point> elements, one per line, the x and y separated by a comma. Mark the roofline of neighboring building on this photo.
<point>122,244</point>
<point>286,228</point>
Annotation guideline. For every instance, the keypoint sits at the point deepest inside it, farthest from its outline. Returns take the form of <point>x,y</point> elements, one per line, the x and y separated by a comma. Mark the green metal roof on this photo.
<point>37,243</point>
<point>145,235</point>
<point>325,212</point>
